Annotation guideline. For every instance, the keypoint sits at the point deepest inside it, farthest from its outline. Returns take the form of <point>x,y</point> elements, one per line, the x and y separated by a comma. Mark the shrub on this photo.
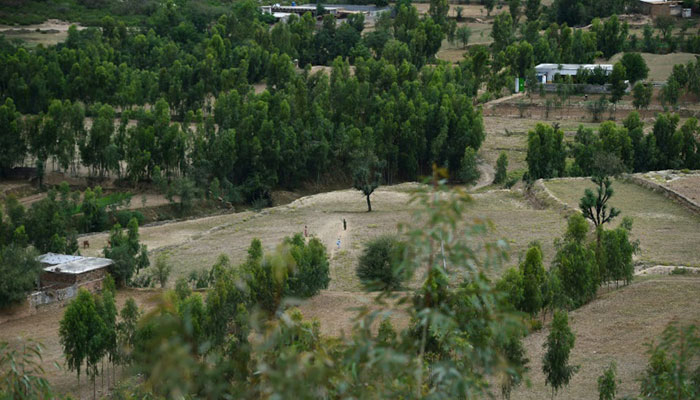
<point>124,216</point>
<point>311,272</point>
<point>378,267</point>
<point>19,271</point>
<point>501,169</point>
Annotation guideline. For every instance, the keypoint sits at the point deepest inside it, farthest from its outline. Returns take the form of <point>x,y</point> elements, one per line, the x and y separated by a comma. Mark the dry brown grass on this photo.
<point>510,135</point>
<point>454,52</point>
<point>668,233</point>
<point>660,65</point>
<point>196,244</point>
<point>615,327</point>
<point>688,186</point>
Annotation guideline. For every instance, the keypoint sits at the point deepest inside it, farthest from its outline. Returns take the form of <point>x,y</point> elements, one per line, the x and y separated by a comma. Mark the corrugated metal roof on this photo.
<point>55,259</point>
<point>574,66</point>
<point>82,265</point>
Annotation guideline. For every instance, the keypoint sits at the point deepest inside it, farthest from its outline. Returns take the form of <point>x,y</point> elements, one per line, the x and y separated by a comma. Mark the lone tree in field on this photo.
<point>367,175</point>
<point>555,363</point>
<point>501,169</point>
<point>595,207</point>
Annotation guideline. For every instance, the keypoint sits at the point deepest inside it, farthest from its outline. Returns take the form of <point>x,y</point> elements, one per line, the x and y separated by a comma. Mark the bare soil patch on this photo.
<point>687,185</point>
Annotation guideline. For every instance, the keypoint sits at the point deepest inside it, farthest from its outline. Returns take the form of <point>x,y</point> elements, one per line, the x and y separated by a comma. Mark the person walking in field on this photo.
<point>306,231</point>
<point>345,225</point>
<point>338,243</point>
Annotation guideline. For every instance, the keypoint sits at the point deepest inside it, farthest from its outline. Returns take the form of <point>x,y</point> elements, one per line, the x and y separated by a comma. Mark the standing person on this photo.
<point>345,225</point>
<point>338,243</point>
<point>306,231</point>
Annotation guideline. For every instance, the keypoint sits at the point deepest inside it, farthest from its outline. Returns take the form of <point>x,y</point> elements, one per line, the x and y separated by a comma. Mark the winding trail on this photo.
<point>487,175</point>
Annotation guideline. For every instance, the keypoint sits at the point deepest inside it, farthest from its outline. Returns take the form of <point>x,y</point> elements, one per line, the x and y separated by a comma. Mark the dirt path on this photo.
<point>487,175</point>
<point>492,103</point>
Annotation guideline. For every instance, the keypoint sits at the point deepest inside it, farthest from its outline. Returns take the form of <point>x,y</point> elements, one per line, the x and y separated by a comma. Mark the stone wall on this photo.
<point>682,200</point>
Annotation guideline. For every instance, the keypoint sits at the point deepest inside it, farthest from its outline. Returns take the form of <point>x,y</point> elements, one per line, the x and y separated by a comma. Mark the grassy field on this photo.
<point>668,233</point>
<point>510,135</point>
<point>660,65</point>
<point>615,327</point>
<point>195,244</point>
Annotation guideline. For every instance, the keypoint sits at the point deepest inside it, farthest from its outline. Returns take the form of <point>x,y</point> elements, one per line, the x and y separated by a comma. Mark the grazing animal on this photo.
<point>86,244</point>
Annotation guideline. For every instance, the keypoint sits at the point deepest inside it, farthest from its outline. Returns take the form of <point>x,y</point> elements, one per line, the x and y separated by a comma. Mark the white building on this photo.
<point>546,72</point>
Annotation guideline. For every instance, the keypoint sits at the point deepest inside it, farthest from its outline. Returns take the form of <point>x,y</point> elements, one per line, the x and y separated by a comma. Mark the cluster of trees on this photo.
<point>311,126</point>
<point>187,62</point>
<point>614,148</point>
<point>53,223</point>
<point>89,332</point>
<point>463,339</point>
<point>581,264</point>
<point>683,79</point>
<point>304,126</point>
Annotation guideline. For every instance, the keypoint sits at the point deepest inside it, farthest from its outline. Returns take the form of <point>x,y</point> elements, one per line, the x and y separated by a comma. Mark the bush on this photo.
<point>19,271</point>
<point>311,272</point>
<point>501,169</point>
<point>379,265</point>
<point>124,216</point>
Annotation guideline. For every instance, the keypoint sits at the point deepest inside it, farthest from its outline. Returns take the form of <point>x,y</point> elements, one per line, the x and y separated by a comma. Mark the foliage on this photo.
<point>501,169</point>
<point>81,330</point>
<point>469,173</point>
<point>366,175</point>
<point>20,273</point>
<point>11,140</point>
<point>310,272</point>
<point>555,362</point>
<point>161,269</point>
<point>607,384</point>
<point>22,372</point>
<point>597,107</point>
<point>617,82</point>
<point>641,93</point>
<point>635,67</point>
<point>595,207</point>
<point>575,263</point>
<point>534,275</point>
<point>379,266</point>
<point>615,252</point>
<point>126,252</point>
<point>672,372</point>
<point>545,152</point>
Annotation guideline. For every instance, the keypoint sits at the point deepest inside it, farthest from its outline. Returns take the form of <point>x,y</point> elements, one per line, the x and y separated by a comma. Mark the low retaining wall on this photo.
<point>544,197</point>
<point>684,201</point>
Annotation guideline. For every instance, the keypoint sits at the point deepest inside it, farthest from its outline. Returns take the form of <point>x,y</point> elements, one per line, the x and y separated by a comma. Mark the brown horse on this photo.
<point>86,244</point>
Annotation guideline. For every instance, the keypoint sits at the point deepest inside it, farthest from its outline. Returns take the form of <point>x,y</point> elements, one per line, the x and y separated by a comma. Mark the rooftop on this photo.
<point>352,7</point>
<point>660,1</point>
<point>574,66</point>
<point>79,266</point>
<point>54,259</point>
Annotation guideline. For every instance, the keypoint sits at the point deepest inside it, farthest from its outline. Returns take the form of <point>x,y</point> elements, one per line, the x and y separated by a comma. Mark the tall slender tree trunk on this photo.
<point>369,205</point>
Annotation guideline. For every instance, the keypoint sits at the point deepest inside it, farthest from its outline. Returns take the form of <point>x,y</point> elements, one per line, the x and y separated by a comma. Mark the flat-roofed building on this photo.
<point>546,72</point>
<point>62,271</point>
<point>655,8</point>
